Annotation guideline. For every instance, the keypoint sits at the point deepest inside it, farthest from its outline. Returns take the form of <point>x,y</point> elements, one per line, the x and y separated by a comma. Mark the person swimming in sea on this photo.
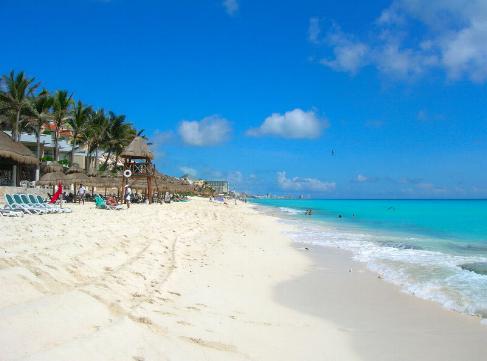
<point>308,212</point>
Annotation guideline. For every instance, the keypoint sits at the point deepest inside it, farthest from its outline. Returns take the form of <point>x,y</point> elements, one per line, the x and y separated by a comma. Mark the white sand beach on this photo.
<point>203,281</point>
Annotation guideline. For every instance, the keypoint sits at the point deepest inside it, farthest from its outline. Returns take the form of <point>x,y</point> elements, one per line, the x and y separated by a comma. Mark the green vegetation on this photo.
<point>23,108</point>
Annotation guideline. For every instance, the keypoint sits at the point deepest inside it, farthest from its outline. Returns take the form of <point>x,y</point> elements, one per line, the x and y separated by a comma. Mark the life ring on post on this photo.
<point>127,173</point>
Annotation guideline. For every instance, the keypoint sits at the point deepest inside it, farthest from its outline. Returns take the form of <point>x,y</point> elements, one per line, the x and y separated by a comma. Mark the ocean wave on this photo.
<point>428,274</point>
<point>292,211</point>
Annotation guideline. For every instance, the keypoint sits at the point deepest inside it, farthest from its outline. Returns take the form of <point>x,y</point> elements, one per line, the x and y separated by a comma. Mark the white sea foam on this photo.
<point>430,275</point>
<point>292,211</point>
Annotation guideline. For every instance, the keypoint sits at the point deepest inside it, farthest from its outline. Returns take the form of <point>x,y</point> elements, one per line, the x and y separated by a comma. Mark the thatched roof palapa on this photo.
<point>15,151</point>
<point>78,178</point>
<point>51,179</point>
<point>104,179</point>
<point>51,167</point>
<point>137,149</point>
<point>75,168</point>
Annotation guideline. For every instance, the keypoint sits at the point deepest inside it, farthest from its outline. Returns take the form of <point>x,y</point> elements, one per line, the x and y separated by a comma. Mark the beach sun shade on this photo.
<point>52,179</point>
<point>137,149</point>
<point>15,151</point>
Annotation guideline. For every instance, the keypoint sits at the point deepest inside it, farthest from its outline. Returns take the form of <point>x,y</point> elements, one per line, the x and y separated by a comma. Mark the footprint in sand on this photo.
<point>144,320</point>
<point>211,344</point>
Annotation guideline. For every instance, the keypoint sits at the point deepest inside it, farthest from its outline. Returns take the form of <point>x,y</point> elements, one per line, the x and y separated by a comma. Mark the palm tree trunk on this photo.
<point>15,138</point>
<point>87,162</point>
<point>15,128</point>
<point>96,159</point>
<point>38,151</point>
<point>106,160</point>
<point>56,146</point>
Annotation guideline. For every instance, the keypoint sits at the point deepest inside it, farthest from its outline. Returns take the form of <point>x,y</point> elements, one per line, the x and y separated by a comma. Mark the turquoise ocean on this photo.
<point>434,249</point>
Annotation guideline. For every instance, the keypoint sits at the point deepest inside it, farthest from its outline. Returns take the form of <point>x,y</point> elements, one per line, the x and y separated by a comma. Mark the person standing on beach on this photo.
<point>128,193</point>
<point>81,194</point>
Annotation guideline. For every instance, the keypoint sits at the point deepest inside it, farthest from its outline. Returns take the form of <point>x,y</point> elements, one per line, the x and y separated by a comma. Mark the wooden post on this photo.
<point>149,188</point>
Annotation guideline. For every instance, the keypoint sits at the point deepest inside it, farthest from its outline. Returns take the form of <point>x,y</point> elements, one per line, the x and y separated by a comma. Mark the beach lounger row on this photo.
<point>30,204</point>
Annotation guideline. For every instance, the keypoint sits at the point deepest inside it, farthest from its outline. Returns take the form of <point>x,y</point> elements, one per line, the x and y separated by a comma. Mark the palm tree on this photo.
<point>94,135</point>
<point>61,105</point>
<point>38,115</point>
<point>80,117</point>
<point>126,135</point>
<point>14,99</point>
<point>141,134</point>
<point>118,135</point>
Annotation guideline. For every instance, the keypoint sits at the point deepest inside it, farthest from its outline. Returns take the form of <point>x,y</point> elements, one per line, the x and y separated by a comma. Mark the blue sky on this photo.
<point>356,100</point>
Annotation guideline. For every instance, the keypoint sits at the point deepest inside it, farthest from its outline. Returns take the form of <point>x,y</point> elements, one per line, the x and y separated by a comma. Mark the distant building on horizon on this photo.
<point>218,186</point>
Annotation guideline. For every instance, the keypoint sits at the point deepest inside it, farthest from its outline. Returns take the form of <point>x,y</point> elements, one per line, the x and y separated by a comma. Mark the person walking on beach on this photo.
<point>81,194</point>
<point>128,193</point>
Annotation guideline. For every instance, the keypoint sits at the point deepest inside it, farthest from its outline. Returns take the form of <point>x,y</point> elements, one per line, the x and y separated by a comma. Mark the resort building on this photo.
<point>65,148</point>
<point>47,146</point>
<point>219,186</point>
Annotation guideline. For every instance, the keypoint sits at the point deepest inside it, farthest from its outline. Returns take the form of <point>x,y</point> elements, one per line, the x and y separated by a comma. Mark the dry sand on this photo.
<point>202,281</point>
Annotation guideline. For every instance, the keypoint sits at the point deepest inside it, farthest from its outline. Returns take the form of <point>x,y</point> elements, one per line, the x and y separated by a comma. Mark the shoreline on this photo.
<point>202,281</point>
<point>383,322</point>
<point>406,260</point>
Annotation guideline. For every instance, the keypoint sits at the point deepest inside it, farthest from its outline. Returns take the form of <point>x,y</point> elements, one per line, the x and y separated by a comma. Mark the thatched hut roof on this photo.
<point>51,167</point>
<point>15,151</point>
<point>138,149</point>
<point>50,179</point>
<point>105,179</point>
<point>75,168</point>
<point>78,178</point>
<point>162,183</point>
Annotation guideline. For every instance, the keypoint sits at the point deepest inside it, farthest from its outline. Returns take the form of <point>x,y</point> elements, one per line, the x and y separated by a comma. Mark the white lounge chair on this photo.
<point>10,203</point>
<point>48,205</point>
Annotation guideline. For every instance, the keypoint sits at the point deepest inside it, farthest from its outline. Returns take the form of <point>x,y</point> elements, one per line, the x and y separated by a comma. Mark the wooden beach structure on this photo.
<point>137,166</point>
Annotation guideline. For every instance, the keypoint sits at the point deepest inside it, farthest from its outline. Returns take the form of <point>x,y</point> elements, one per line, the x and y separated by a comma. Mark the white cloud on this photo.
<point>349,55</point>
<point>303,184</point>
<point>211,130</point>
<point>189,171</point>
<point>314,30</point>
<point>295,124</point>
<point>412,37</point>
<point>361,178</point>
<point>231,6</point>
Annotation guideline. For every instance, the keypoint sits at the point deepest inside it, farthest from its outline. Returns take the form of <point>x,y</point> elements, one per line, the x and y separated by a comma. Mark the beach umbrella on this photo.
<point>75,168</point>
<point>78,178</point>
<point>52,179</point>
<point>15,151</point>
<point>105,180</point>
<point>52,167</point>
